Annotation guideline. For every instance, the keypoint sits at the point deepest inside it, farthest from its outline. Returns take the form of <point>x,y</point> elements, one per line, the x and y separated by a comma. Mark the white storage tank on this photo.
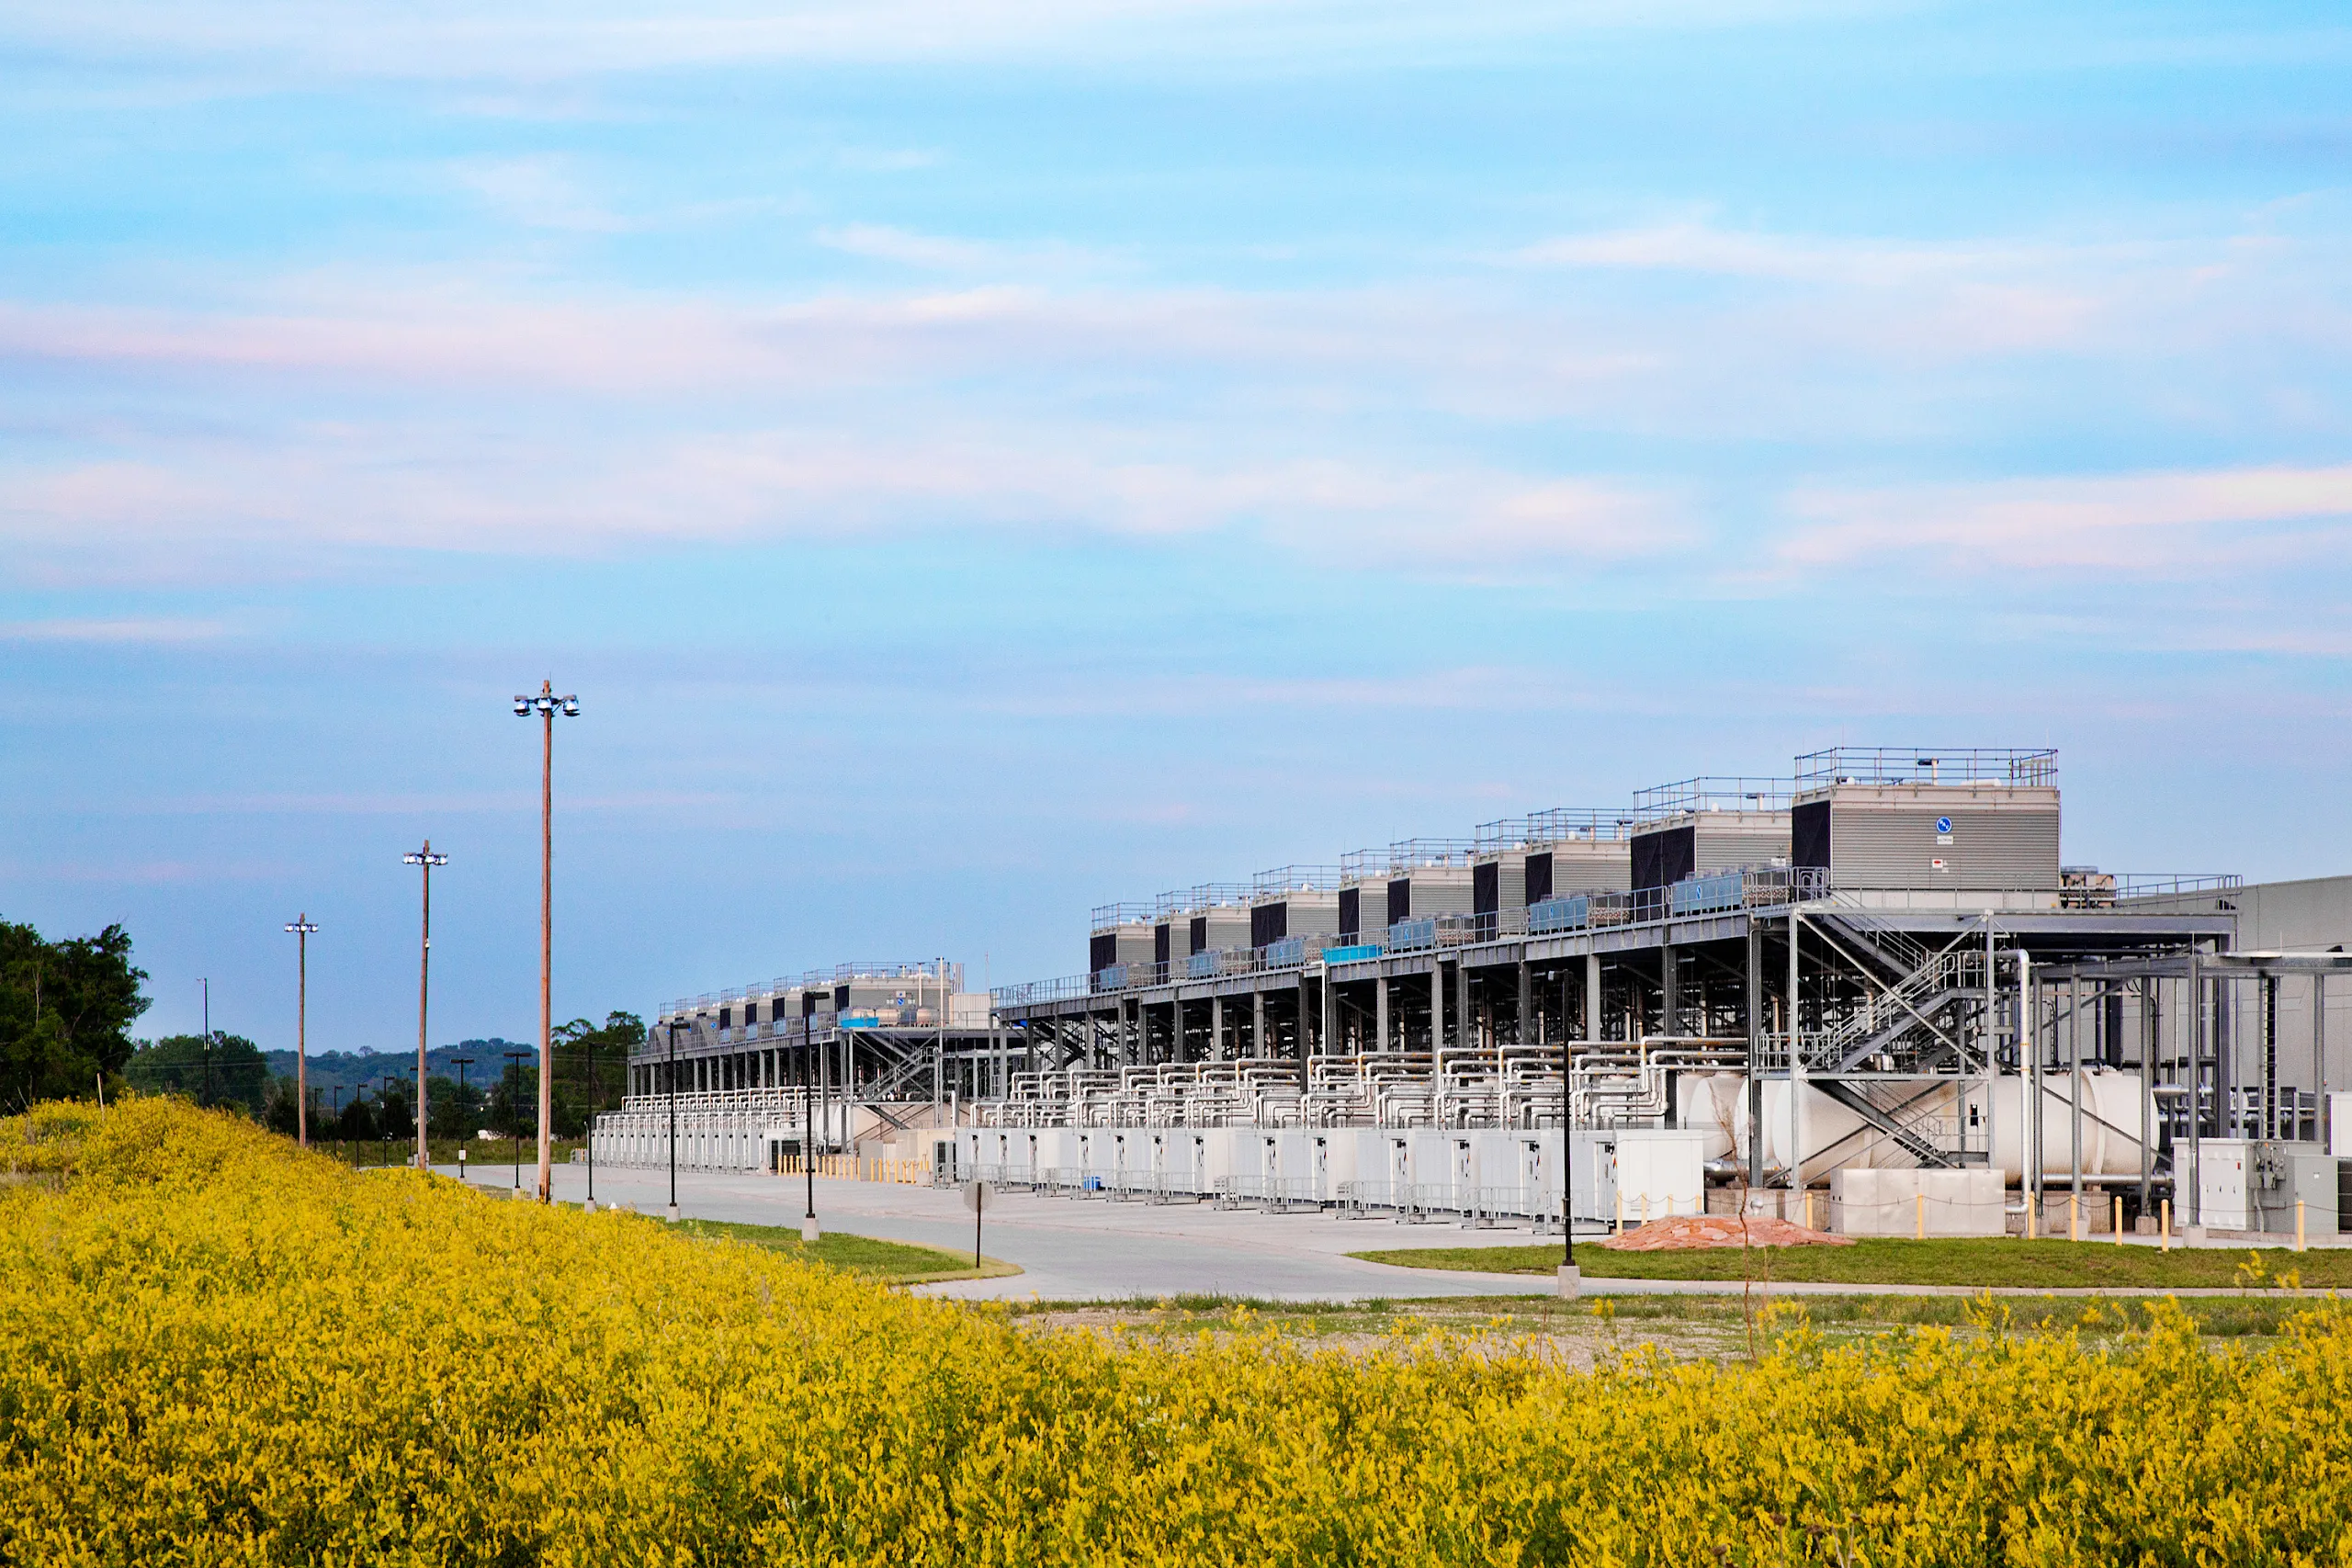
<point>1836,1135</point>
<point>1965,1203</point>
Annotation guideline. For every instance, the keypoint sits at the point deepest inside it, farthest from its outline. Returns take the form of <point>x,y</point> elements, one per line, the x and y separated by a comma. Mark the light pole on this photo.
<point>674,1025</point>
<point>547,704</point>
<point>426,859</point>
<point>301,927</point>
<point>206,1098</point>
<point>589,1046</point>
<point>461,1063</point>
<point>1568,1278</point>
<point>515,1132</point>
<point>808,1127</point>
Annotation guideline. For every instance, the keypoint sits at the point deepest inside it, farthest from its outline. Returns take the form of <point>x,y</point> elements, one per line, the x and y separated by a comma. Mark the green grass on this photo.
<point>893,1262</point>
<point>2038,1265</point>
<point>1724,1317</point>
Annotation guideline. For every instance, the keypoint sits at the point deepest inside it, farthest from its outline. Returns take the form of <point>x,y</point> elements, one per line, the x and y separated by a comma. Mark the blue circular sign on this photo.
<point>1943,824</point>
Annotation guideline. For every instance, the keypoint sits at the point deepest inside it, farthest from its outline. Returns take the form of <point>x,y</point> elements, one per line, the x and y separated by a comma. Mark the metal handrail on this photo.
<point>1282,879</point>
<point>1200,899</point>
<point>1710,793</point>
<point>1560,825</point>
<point>1926,765</point>
<point>2159,885</point>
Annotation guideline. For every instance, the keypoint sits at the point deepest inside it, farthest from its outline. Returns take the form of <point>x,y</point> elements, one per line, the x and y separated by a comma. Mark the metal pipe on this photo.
<point>2196,1032</point>
<point>2029,1064</point>
<point>2075,1094</point>
<point>1796,1057</point>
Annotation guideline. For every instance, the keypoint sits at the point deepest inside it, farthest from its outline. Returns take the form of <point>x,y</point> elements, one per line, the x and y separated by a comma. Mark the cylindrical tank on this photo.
<point>2113,1103</point>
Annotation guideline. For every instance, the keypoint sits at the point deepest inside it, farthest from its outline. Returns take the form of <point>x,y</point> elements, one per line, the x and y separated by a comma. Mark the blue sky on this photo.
<point>976,462</point>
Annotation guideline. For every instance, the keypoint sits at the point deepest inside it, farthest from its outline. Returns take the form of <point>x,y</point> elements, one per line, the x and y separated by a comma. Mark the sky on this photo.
<point>973,462</point>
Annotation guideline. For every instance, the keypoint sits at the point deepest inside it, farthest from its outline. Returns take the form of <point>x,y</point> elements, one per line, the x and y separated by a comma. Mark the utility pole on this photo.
<point>208,1040</point>
<point>426,859</point>
<point>547,704</point>
<point>301,927</point>
<point>514,1133</point>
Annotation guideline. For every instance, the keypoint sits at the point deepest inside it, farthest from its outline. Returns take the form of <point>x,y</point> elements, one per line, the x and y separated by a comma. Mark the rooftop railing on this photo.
<point>1284,879</point>
<point>1560,825</point>
<point>927,970</point>
<point>2087,888</point>
<point>1710,793</point>
<point>1111,917</point>
<point>1181,901</point>
<point>1404,855</point>
<point>1926,765</point>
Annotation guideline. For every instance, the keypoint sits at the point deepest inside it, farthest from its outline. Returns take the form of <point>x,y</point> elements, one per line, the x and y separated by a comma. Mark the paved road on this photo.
<point>1078,1249</point>
<point>1094,1250</point>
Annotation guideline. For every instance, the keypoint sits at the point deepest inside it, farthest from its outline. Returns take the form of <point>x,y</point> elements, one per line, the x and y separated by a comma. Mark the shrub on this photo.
<point>222,1350</point>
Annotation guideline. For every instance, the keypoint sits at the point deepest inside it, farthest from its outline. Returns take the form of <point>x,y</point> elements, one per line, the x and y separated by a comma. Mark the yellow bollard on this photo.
<point>2299,1224</point>
<point>1808,1208</point>
<point>2032,1214</point>
<point>1646,1208</point>
<point>2164,1226</point>
<point>2074,1216</point>
<point>1919,1219</point>
<point>2118,1221</point>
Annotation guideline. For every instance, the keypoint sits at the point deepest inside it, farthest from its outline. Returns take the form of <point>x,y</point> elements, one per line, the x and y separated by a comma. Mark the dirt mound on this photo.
<point>1690,1232</point>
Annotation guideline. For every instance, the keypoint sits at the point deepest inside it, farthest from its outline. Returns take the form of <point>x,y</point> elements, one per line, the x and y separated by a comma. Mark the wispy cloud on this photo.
<point>1462,688</point>
<point>537,191</point>
<point>2230,519</point>
<point>939,252</point>
<point>503,497</point>
<point>161,629</point>
<point>541,41</point>
<point>1690,247</point>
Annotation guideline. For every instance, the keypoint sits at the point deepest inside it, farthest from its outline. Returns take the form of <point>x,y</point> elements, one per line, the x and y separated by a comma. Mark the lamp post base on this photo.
<point>1570,1278</point>
<point>809,1232</point>
<point>671,1214</point>
<point>589,1207</point>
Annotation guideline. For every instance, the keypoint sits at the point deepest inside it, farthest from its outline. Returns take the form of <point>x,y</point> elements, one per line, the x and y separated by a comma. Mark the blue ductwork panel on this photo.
<point>1569,914</point>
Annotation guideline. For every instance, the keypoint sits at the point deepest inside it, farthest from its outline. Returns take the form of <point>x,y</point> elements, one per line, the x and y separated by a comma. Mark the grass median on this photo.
<point>891,1262</point>
<point>2036,1264</point>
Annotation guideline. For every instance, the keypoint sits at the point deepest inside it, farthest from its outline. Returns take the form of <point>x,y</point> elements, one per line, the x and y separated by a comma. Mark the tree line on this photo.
<point>67,1007</point>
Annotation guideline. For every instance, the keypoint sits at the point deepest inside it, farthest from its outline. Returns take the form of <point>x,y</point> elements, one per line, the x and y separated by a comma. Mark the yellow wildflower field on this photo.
<point>217,1349</point>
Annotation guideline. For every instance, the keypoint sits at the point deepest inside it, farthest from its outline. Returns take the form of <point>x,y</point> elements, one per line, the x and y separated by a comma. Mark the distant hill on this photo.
<point>353,1069</point>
